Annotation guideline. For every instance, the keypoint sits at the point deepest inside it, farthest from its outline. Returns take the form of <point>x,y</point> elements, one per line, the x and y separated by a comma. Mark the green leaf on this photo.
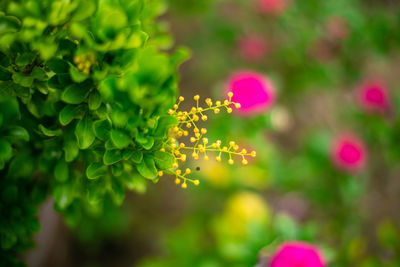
<point>76,75</point>
<point>120,138</point>
<point>163,160</point>
<point>61,172</point>
<point>58,65</point>
<point>137,156</point>
<point>84,10</point>
<point>164,123</point>
<point>63,196</point>
<point>95,170</point>
<point>5,75</point>
<point>74,94</point>
<point>49,132</point>
<point>5,150</point>
<point>22,79</point>
<point>68,113</point>
<point>102,129</point>
<point>117,191</point>
<point>94,100</point>
<point>4,60</point>
<point>95,191</point>
<point>147,168</point>
<point>112,156</point>
<point>17,133</point>
<point>84,133</point>
<point>25,59</point>
<point>39,74</point>
<point>146,142</point>
<point>71,150</point>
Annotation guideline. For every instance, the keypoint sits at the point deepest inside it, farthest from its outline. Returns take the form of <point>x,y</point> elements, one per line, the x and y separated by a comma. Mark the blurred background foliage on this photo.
<point>317,54</point>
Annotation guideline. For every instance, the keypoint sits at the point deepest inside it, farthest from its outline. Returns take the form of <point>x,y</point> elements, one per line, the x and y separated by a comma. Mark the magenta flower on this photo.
<point>297,254</point>
<point>252,47</point>
<point>273,7</point>
<point>348,152</point>
<point>252,90</point>
<point>372,96</point>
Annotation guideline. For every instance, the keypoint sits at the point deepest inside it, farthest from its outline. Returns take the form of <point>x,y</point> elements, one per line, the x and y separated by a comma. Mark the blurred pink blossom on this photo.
<point>252,90</point>
<point>372,96</point>
<point>297,254</point>
<point>252,47</point>
<point>348,152</point>
<point>273,7</point>
<point>337,27</point>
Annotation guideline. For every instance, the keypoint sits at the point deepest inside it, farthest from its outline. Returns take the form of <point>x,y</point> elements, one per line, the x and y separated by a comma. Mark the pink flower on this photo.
<point>252,47</point>
<point>273,7</point>
<point>297,254</point>
<point>372,96</point>
<point>252,90</point>
<point>348,152</point>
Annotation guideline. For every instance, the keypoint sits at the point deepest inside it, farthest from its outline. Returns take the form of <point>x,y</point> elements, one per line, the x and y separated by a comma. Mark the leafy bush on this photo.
<point>84,93</point>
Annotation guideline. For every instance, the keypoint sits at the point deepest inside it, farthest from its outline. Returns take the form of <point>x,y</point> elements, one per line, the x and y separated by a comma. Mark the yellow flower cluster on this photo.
<point>188,127</point>
<point>84,62</point>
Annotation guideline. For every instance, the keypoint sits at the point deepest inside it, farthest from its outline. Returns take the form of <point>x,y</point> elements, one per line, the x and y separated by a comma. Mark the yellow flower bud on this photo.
<point>181,98</point>
<point>160,173</point>
<point>196,182</point>
<point>177,181</point>
<point>230,161</point>
<point>196,97</point>
<point>184,185</point>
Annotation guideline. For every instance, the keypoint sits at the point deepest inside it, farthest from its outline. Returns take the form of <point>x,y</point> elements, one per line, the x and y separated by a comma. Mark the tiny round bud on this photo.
<point>170,112</point>
<point>197,135</point>
<point>230,161</point>
<point>162,149</point>
<point>177,181</point>
<point>178,172</point>
<point>160,173</point>
<point>237,105</point>
<point>253,154</point>
<point>218,103</point>
<point>185,133</point>
<point>218,158</point>
<point>200,109</point>
<point>183,157</point>
<point>205,140</point>
<point>192,139</point>
<point>204,117</point>
<point>180,133</point>
<point>206,157</point>
<point>181,98</point>
<point>173,146</point>
<point>244,151</point>
<point>230,94</point>
<point>195,117</point>
<point>244,161</point>
<point>196,97</point>
<point>203,130</point>
<point>216,111</point>
<point>236,147</point>
<point>226,102</point>
<point>184,185</point>
<point>188,171</point>
<point>182,145</point>
<point>193,109</point>
<point>175,165</point>
<point>175,106</point>
<point>229,110</point>
<point>232,143</point>
<point>196,182</point>
<point>196,130</point>
<point>224,149</point>
<point>188,125</point>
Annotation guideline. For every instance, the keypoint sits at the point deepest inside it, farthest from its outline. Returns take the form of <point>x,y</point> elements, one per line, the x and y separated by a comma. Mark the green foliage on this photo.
<point>84,88</point>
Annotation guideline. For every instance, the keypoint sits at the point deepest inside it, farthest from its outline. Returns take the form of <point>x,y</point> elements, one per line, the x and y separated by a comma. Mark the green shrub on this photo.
<point>84,93</point>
